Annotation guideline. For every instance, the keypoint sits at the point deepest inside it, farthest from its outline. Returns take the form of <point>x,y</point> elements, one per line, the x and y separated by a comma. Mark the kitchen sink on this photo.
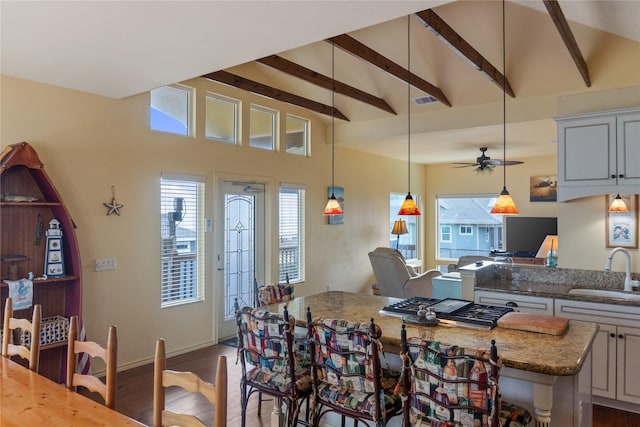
<point>605,293</point>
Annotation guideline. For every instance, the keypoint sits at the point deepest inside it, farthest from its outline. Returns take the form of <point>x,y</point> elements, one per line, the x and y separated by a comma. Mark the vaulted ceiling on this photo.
<point>119,51</point>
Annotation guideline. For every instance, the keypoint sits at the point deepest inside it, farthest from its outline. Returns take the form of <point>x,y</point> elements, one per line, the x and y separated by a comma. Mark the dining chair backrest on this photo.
<point>444,383</point>
<point>10,324</point>
<point>273,293</point>
<point>269,359</point>
<point>346,370</point>
<point>109,355</point>
<point>192,383</point>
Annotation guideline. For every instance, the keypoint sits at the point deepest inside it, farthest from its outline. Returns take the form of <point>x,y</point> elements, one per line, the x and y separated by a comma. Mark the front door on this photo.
<point>240,248</point>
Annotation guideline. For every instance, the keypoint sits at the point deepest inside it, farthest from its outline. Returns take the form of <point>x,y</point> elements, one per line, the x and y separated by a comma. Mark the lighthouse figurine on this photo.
<point>53,257</point>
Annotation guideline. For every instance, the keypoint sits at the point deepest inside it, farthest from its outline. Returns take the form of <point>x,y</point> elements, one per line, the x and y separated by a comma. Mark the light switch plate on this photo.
<point>104,264</point>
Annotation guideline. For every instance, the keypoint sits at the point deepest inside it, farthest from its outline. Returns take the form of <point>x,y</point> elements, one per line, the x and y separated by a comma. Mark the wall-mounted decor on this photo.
<point>622,227</point>
<point>339,193</point>
<point>543,188</point>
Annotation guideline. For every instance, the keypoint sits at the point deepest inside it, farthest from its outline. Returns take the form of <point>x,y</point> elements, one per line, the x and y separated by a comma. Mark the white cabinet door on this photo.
<point>587,151</point>
<point>628,136</point>
<point>603,380</point>
<point>628,364</point>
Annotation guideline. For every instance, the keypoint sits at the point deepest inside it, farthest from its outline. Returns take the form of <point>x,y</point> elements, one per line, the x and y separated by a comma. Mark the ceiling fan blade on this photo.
<point>464,165</point>
<point>510,162</point>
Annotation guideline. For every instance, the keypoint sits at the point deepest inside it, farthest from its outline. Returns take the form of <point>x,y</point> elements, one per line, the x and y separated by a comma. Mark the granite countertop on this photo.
<point>554,284</point>
<point>528,351</point>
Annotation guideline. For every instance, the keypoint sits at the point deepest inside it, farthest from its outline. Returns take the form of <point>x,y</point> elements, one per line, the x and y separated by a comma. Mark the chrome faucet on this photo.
<point>627,278</point>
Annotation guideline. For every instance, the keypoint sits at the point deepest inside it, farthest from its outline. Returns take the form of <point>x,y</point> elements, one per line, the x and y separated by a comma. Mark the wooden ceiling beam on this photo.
<point>567,36</point>
<point>271,92</point>
<point>325,82</point>
<point>364,52</point>
<point>451,38</point>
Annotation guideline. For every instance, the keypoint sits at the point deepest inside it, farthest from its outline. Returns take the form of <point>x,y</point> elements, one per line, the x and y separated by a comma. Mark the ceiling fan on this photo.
<point>485,164</point>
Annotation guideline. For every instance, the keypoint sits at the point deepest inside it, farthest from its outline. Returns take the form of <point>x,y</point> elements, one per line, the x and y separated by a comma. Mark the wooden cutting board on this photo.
<point>541,323</point>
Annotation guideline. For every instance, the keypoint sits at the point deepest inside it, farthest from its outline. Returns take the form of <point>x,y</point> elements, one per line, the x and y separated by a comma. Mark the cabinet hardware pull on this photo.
<point>612,335</point>
<point>621,176</point>
<point>620,336</point>
<point>511,304</point>
<point>613,176</point>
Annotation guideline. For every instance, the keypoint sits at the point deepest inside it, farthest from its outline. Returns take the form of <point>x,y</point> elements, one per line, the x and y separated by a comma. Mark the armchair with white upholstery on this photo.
<point>395,278</point>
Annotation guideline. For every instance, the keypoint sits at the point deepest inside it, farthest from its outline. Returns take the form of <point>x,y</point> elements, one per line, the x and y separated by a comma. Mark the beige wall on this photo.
<point>90,143</point>
<point>445,179</point>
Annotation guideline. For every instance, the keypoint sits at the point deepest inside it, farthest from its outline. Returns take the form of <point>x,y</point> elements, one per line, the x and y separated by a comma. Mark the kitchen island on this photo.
<point>535,365</point>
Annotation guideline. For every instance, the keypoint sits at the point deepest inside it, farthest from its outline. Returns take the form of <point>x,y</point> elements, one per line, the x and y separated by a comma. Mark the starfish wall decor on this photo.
<point>114,207</point>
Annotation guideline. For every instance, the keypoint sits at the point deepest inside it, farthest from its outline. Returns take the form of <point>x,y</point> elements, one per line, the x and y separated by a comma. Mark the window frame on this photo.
<point>300,241</point>
<point>274,126</point>
<point>190,113</point>
<point>237,107</point>
<point>305,138</point>
<point>190,264</point>
<point>478,210</point>
<point>412,238</point>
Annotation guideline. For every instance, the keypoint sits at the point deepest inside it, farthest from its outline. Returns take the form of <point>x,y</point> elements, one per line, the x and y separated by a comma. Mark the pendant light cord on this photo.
<point>409,103</point>
<point>333,109</point>
<point>504,103</point>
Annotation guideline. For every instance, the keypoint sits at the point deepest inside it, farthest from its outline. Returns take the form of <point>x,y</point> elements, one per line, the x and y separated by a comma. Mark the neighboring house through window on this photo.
<point>466,226</point>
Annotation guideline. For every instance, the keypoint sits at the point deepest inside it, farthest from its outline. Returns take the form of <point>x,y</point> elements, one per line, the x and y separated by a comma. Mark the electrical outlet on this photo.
<point>104,264</point>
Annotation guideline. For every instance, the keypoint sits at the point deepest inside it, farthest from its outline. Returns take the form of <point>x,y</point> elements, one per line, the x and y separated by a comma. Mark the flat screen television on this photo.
<point>524,235</point>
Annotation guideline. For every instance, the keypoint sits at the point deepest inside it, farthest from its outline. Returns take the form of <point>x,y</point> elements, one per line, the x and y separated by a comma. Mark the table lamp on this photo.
<point>549,250</point>
<point>399,227</point>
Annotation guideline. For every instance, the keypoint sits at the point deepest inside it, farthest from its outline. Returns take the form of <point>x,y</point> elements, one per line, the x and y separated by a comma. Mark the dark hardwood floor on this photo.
<point>134,396</point>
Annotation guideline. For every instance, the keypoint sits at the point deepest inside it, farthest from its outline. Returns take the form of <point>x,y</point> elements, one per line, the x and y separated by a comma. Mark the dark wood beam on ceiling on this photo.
<point>451,38</point>
<point>325,82</point>
<point>567,36</point>
<point>356,48</point>
<point>270,92</point>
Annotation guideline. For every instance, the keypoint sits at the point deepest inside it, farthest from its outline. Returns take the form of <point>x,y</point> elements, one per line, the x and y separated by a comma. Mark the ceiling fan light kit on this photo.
<point>504,205</point>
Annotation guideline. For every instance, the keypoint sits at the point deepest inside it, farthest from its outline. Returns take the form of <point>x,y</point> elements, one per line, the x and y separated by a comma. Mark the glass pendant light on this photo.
<point>409,205</point>
<point>333,207</point>
<point>618,205</point>
<point>504,205</point>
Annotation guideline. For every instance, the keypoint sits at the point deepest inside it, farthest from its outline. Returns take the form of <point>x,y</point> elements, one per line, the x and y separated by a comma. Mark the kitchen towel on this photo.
<point>21,293</point>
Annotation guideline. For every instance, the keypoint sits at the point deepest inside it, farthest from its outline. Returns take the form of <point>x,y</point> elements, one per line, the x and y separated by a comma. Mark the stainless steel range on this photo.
<point>449,311</point>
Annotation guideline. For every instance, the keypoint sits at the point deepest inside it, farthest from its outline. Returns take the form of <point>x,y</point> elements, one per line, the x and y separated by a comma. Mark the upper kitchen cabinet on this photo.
<point>599,153</point>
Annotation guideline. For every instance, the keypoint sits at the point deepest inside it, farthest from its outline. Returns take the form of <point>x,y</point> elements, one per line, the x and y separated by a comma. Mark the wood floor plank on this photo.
<point>134,395</point>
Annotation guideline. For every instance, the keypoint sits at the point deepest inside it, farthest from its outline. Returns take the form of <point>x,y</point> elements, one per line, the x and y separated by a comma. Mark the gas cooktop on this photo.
<point>450,311</point>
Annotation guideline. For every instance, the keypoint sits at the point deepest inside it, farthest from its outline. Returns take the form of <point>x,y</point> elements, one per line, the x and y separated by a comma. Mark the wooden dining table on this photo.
<point>29,399</point>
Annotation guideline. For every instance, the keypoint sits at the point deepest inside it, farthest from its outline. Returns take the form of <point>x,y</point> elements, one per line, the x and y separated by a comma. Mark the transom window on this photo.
<point>296,139</point>
<point>262,125</point>
<point>171,110</point>
<point>221,123</point>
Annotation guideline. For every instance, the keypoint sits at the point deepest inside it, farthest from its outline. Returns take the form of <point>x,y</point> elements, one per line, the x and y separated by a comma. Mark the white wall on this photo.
<point>89,144</point>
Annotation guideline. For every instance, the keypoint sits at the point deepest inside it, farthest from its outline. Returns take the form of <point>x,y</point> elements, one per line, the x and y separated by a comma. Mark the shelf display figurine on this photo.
<point>53,255</point>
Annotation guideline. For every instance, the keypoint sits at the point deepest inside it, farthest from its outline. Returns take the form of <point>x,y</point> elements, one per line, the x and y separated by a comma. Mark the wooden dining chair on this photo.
<point>109,355</point>
<point>443,383</point>
<point>31,352</point>
<point>214,393</point>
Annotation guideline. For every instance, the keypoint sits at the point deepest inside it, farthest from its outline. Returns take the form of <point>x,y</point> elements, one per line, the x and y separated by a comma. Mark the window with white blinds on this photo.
<point>182,237</point>
<point>291,235</point>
